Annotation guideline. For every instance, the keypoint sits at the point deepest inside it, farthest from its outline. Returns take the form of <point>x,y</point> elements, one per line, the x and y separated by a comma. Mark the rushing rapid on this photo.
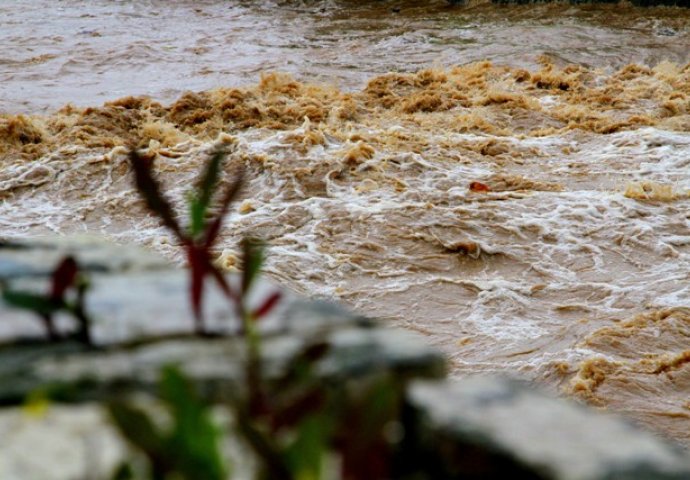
<point>518,191</point>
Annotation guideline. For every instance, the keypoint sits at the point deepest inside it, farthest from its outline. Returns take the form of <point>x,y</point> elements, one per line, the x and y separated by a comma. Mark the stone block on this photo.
<point>493,428</point>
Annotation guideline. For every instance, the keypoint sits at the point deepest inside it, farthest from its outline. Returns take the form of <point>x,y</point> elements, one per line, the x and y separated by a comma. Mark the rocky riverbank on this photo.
<point>479,427</point>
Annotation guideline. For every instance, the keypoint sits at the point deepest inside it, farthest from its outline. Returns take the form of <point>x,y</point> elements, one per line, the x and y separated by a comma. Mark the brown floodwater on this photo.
<point>571,268</point>
<point>57,53</point>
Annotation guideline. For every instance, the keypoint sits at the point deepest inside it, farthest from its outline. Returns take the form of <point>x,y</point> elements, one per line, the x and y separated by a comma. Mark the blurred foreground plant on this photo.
<point>202,232</point>
<point>298,425</point>
<point>302,428</point>
<point>68,289</point>
<point>188,449</point>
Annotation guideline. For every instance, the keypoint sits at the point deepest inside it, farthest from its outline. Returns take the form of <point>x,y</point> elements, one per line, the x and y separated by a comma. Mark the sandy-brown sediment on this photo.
<point>641,367</point>
<point>654,191</point>
<point>369,195</point>
<point>479,97</point>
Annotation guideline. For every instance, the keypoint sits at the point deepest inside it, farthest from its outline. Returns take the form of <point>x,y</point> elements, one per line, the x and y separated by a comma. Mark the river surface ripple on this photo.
<point>573,270</point>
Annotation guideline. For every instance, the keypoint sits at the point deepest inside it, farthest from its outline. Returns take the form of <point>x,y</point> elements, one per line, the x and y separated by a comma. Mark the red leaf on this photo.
<point>213,230</point>
<point>308,403</point>
<point>151,190</point>
<point>64,277</point>
<point>196,288</point>
<point>222,282</point>
<point>267,306</point>
<point>479,187</point>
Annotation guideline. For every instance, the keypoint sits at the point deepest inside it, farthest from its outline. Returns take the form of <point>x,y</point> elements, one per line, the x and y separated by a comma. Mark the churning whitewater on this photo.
<point>566,262</point>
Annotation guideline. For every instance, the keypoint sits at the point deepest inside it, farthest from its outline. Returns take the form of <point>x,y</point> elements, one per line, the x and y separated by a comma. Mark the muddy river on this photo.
<point>566,262</point>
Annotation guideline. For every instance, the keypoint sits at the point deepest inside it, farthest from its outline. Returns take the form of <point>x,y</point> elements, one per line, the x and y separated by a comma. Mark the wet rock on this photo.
<point>493,428</point>
<point>38,256</point>
<point>133,292</point>
<point>142,322</point>
<point>72,373</point>
<point>639,3</point>
<point>63,443</point>
<point>666,32</point>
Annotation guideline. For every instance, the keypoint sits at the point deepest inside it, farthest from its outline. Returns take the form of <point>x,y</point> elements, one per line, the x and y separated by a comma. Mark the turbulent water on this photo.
<point>566,262</point>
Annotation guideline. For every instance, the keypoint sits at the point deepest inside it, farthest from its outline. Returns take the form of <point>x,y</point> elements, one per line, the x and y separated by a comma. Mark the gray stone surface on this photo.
<point>215,364</point>
<point>509,426</point>
<point>134,291</point>
<point>62,443</point>
<point>139,304</point>
<point>37,256</point>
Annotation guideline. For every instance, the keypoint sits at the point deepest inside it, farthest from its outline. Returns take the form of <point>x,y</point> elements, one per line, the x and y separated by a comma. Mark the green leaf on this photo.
<point>306,454</point>
<point>197,217</point>
<point>138,429</point>
<point>201,198</point>
<point>123,472</point>
<point>194,441</point>
<point>30,301</point>
<point>190,448</point>
<point>209,179</point>
<point>252,259</point>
